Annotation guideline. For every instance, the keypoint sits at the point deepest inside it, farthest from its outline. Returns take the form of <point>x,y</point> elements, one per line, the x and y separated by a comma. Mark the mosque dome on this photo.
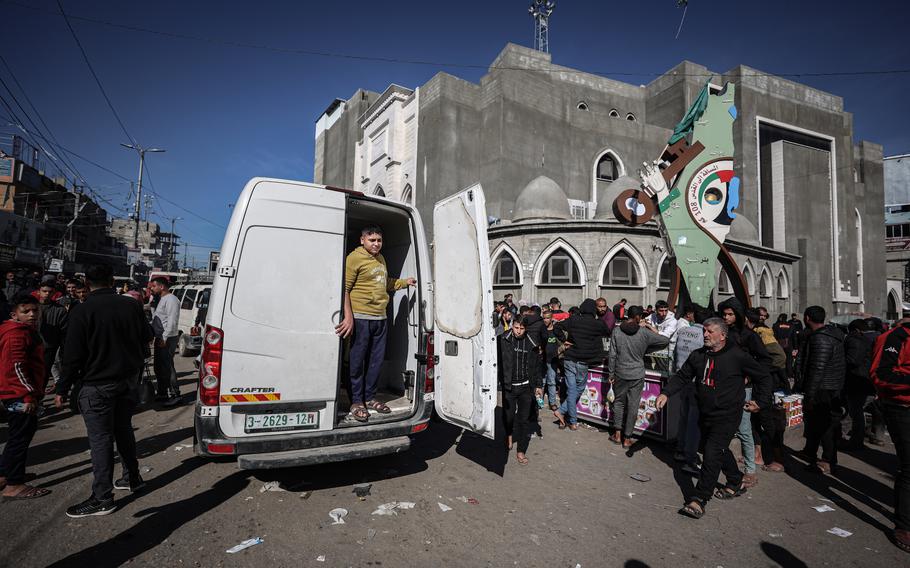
<point>607,195</point>
<point>540,200</point>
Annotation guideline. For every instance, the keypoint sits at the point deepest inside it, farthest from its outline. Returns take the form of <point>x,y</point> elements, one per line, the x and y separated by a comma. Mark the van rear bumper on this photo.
<point>306,448</point>
<point>326,454</point>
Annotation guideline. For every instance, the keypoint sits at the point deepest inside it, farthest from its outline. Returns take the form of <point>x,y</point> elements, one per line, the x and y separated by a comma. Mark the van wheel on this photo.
<point>182,348</point>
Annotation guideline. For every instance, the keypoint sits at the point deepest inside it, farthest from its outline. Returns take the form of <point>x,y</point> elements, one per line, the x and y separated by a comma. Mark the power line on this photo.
<point>28,99</point>
<point>95,75</point>
<point>360,57</point>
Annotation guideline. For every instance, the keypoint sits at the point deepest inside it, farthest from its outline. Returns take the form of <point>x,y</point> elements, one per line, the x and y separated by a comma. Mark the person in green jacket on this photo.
<point>366,294</point>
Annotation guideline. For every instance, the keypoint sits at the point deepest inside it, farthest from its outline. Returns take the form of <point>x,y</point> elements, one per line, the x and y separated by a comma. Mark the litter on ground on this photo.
<point>338,515</point>
<point>840,532</point>
<point>320,558</point>
<point>271,486</point>
<point>443,507</point>
<point>362,490</point>
<point>391,508</point>
<point>535,539</point>
<point>640,477</point>
<point>244,545</point>
<point>822,508</point>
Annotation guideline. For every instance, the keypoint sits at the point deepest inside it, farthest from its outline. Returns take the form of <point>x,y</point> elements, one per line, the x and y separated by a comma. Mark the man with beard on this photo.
<point>718,370</point>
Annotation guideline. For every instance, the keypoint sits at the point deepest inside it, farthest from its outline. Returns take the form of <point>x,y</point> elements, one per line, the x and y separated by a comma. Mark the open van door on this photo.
<point>466,373</point>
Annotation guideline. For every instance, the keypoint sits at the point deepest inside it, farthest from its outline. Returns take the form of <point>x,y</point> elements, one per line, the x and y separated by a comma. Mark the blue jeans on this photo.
<point>745,437</point>
<point>367,354</point>
<point>550,383</point>
<point>576,379</point>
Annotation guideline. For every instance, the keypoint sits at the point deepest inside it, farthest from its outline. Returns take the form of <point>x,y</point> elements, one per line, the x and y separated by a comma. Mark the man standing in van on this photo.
<point>366,294</point>
<point>164,323</point>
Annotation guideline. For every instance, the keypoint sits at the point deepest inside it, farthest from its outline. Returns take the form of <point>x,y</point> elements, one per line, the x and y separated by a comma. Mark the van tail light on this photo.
<point>221,448</point>
<point>429,382</point>
<point>210,370</point>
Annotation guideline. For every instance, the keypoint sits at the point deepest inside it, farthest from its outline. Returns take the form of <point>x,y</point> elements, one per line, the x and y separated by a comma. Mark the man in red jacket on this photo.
<point>891,376</point>
<point>21,391</point>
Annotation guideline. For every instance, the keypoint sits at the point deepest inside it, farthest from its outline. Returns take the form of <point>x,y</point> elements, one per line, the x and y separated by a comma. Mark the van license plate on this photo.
<point>285,421</point>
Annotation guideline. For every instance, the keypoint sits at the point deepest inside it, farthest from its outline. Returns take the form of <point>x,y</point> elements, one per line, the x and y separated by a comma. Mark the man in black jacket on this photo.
<point>820,370</point>
<point>520,364</point>
<point>106,345</point>
<point>584,333</point>
<point>857,384</point>
<point>718,370</point>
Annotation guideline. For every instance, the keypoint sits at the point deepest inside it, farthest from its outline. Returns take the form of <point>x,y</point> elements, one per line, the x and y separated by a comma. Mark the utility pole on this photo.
<point>171,251</point>
<point>138,204</point>
<point>185,247</point>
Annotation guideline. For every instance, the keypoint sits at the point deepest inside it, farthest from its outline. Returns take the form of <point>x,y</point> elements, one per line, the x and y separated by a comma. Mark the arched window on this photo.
<point>621,271</point>
<point>750,281</point>
<point>407,195</point>
<point>559,269</point>
<point>764,285</point>
<point>782,286</point>
<point>614,113</point>
<point>379,191</point>
<point>893,303</point>
<point>665,276</point>
<point>630,117</point>
<point>723,283</point>
<point>606,168</point>
<point>582,105</point>
<point>506,271</point>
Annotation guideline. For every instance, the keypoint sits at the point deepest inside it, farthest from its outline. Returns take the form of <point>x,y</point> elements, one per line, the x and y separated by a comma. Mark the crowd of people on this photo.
<point>85,342</point>
<point>723,369</point>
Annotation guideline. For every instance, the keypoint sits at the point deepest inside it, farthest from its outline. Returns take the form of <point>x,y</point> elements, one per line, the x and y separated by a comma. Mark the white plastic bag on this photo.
<point>610,396</point>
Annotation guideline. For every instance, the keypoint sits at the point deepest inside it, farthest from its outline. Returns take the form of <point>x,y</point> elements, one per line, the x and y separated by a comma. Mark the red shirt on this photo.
<point>21,362</point>
<point>891,365</point>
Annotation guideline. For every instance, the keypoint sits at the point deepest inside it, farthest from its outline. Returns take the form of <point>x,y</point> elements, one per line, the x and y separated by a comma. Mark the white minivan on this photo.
<point>273,372</point>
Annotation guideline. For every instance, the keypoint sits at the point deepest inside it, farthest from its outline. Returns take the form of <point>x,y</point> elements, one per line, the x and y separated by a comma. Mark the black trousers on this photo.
<point>516,413</point>
<point>21,430</point>
<point>716,437</point>
<point>165,373</point>
<point>822,423</point>
<point>897,417</point>
<point>108,413</point>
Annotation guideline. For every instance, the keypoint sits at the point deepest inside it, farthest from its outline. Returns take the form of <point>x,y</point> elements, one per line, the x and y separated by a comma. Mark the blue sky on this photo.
<point>226,114</point>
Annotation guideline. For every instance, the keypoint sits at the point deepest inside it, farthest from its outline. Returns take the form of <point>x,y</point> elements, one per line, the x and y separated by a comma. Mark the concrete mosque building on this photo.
<point>554,146</point>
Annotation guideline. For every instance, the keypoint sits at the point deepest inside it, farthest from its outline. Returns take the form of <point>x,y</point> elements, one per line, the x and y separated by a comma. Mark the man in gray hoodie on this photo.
<point>627,371</point>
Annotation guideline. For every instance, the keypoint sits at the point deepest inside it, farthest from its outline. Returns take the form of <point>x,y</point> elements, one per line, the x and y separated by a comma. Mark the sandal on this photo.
<point>360,413</point>
<point>523,460</point>
<point>773,467</point>
<point>728,492</point>
<point>28,493</point>
<point>750,480</point>
<point>379,407</point>
<point>554,407</point>
<point>694,509</point>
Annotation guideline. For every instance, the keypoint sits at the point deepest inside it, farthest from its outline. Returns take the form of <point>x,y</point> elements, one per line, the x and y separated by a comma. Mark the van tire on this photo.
<point>182,348</point>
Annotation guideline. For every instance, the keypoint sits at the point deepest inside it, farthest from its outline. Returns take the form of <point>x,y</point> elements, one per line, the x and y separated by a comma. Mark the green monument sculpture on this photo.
<point>693,189</point>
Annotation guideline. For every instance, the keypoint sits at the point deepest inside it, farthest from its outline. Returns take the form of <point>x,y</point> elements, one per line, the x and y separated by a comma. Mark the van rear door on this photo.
<point>463,333</point>
<point>281,354</point>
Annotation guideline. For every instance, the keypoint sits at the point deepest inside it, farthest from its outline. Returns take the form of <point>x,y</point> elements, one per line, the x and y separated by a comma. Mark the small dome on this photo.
<point>541,199</point>
<point>607,195</point>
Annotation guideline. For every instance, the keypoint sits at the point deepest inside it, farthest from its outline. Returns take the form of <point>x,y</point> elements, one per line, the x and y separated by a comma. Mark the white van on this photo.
<point>271,379</point>
<point>194,301</point>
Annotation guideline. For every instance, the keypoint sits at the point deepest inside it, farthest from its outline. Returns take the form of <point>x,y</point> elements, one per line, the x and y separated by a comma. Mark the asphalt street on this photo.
<point>574,504</point>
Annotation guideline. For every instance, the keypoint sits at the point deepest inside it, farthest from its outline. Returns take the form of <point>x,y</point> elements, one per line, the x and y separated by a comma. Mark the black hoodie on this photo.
<point>585,332</point>
<point>519,360</point>
<point>720,382</point>
<point>745,338</point>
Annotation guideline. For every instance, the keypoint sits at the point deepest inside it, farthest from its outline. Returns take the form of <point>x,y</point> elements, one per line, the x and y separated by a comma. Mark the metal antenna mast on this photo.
<point>540,10</point>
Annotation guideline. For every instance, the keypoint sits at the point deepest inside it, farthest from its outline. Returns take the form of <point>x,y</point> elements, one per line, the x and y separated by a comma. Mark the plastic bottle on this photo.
<point>539,402</point>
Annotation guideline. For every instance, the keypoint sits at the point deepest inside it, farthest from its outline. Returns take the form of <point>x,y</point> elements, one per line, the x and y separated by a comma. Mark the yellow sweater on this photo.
<point>366,280</point>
